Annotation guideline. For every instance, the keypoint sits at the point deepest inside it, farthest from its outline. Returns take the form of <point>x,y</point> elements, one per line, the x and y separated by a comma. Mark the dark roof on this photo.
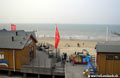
<point>19,40</point>
<point>108,47</point>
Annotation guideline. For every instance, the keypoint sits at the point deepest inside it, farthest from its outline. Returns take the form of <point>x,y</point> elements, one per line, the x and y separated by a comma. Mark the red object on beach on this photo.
<point>57,38</point>
<point>13,27</point>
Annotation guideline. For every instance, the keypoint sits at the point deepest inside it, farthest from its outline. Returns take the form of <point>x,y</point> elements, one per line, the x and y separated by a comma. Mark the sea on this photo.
<point>71,31</point>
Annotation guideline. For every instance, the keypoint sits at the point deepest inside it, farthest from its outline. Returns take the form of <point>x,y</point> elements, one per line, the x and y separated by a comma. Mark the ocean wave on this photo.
<point>81,37</point>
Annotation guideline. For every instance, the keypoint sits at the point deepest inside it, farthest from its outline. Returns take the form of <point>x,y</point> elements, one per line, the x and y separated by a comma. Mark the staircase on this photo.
<point>59,69</point>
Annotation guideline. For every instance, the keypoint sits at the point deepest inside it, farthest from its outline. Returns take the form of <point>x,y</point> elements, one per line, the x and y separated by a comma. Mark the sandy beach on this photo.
<point>70,46</point>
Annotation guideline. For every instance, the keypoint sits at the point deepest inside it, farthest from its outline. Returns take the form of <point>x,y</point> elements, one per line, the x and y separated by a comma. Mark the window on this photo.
<point>117,57</point>
<point>1,56</point>
<point>109,58</point>
<point>31,52</point>
<point>31,49</point>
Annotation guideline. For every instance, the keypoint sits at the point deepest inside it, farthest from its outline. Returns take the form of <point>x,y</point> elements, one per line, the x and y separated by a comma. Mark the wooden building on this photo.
<point>17,48</point>
<point>108,58</point>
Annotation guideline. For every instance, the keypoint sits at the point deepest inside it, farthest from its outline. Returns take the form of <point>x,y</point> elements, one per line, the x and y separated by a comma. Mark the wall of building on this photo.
<point>101,63</point>
<point>107,65</point>
<point>8,56</point>
<point>34,45</point>
<point>22,57</point>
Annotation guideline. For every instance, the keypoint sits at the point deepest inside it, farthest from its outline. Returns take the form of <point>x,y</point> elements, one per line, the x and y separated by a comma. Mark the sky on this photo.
<point>60,11</point>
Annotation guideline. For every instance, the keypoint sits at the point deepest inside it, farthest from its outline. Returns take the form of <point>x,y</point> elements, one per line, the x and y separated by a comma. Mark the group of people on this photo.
<point>64,58</point>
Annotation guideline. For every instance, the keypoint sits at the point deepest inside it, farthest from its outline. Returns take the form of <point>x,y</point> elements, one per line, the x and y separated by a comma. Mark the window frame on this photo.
<point>108,57</point>
<point>118,57</point>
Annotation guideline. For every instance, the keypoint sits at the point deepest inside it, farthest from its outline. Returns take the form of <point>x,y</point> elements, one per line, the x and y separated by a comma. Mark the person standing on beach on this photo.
<point>78,45</point>
<point>65,56</point>
<point>83,43</point>
<point>63,59</point>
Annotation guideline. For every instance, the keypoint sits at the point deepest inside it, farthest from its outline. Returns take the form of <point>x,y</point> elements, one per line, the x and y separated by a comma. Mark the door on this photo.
<point>113,64</point>
<point>116,67</point>
<point>109,64</point>
<point>101,63</point>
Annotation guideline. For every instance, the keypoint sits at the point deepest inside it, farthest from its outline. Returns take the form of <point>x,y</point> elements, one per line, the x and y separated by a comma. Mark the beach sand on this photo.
<point>70,46</point>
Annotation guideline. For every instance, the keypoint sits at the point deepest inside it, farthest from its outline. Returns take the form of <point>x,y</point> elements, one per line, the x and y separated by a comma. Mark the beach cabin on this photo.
<point>108,58</point>
<point>17,48</point>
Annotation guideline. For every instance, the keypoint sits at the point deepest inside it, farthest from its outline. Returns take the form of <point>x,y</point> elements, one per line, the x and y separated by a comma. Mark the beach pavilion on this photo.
<point>17,48</point>
<point>108,58</point>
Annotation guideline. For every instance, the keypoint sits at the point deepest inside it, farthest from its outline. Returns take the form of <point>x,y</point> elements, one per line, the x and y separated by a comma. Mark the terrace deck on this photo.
<point>75,71</point>
<point>42,64</point>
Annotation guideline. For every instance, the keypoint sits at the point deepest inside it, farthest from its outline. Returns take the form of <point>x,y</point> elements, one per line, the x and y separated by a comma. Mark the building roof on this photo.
<point>108,47</point>
<point>15,39</point>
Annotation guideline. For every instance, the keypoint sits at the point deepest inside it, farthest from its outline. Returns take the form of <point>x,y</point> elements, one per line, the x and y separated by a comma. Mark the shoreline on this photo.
<point>71,39</point>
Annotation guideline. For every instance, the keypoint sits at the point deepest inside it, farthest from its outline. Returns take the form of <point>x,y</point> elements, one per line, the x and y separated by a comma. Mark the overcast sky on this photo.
<point>60,11</point>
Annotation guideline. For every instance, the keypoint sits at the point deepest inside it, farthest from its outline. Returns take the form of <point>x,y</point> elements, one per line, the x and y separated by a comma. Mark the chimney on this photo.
<point>23,38</point>
<point>12,38</point>
<point>21,42</point>
<point>16,33</point>
<point>26,34</point>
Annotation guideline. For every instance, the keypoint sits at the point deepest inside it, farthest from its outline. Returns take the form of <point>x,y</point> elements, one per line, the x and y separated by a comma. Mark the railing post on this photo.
<point>53,76</point>
<point>38,75</point>
<point>9,73</point>
<point>24,75</point>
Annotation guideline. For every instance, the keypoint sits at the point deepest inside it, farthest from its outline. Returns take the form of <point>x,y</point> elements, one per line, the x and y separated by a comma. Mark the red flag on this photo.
<point>57,38</point>
<point>13,27</point>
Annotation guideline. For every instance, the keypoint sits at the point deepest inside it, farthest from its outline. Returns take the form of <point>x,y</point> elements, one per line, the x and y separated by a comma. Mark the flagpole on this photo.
<point>107,30</point>
<point>56,48</point>
<point>57,39</point>
<point>56,52</point>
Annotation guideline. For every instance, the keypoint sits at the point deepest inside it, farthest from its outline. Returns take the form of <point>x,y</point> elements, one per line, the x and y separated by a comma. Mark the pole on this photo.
<point>14,59</point>
<point>107,31</point>
<point>56,52</point>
